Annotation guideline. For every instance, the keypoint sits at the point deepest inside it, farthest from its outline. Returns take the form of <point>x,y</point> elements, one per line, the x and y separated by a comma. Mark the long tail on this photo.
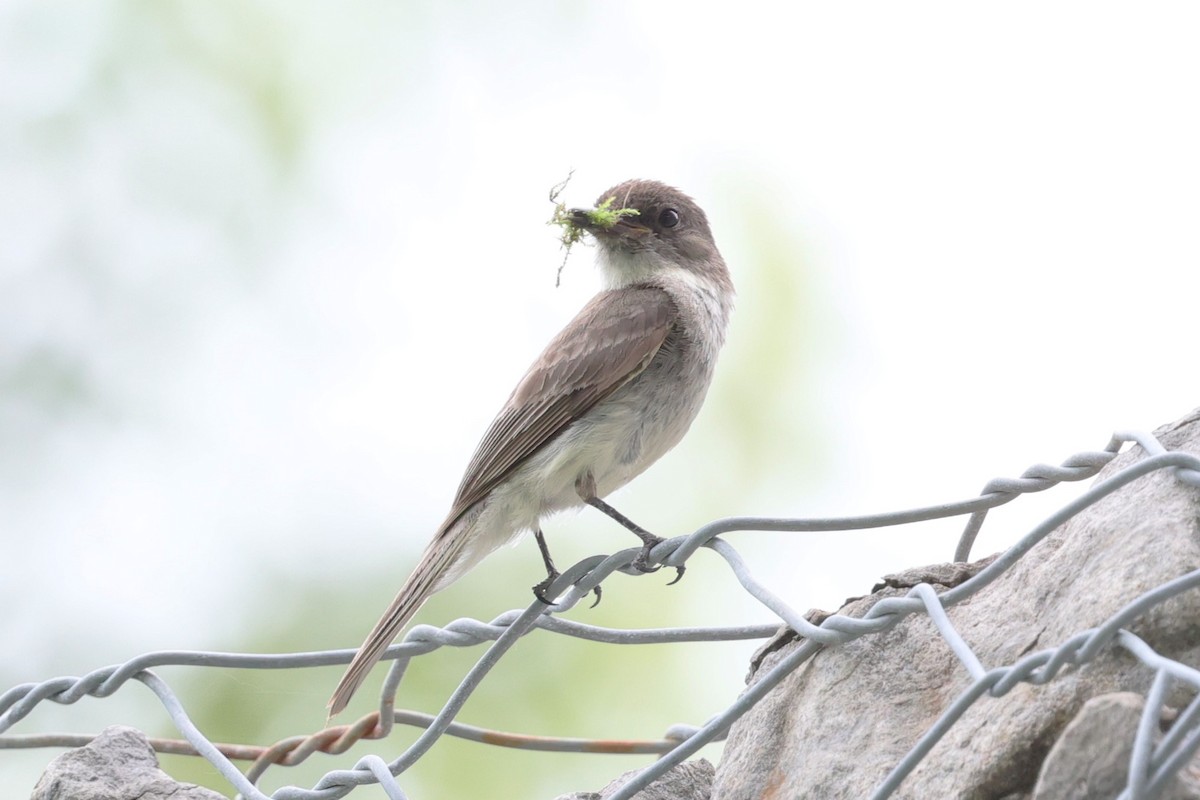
<point>426,579</point>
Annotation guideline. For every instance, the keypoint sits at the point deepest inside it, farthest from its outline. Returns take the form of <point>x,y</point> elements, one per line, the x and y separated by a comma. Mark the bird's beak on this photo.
<point>607,223</point>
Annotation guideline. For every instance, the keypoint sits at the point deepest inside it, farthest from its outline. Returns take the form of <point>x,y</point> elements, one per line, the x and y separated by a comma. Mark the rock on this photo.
<point>691,780</point>
<point>1091,757</point>
<point>119,764</point>
<point>837,725</point>
<point>1090,760</point>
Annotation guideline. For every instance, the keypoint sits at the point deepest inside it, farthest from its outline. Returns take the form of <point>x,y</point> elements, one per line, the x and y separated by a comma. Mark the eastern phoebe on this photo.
<point>613,392</point>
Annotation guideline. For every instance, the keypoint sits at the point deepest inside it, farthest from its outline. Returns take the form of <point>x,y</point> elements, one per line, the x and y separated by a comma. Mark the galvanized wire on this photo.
<point>1151,765</point>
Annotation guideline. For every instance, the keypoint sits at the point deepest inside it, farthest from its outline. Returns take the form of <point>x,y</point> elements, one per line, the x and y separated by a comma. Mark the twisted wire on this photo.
<point>1150,767</point>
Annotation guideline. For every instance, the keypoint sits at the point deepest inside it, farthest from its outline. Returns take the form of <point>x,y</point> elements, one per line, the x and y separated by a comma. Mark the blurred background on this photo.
<point>268,270</point>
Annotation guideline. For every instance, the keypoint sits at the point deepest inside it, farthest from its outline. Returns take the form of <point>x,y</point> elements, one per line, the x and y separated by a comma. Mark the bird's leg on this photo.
<point>585,486</point>
<point>539,591</point>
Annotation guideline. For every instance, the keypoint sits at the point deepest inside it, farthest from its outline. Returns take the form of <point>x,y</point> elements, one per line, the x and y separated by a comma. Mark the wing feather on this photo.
<point>612,339</point>
<point>608,344</point>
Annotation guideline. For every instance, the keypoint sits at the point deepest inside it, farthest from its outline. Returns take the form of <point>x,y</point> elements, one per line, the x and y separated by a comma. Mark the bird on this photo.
<point>616,389</point>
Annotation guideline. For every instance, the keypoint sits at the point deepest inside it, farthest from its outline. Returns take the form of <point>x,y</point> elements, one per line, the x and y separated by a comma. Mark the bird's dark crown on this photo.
<point>654,202</point>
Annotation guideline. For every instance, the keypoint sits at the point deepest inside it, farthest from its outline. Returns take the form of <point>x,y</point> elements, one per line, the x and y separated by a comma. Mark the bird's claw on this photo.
<point>539,591</point>
<point>642,562</point>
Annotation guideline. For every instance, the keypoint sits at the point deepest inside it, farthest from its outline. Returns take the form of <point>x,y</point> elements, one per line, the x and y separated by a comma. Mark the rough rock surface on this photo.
<point>691,780</point>
<point>1090,760</point>
<point>119,764</point>
<point>836,726</point>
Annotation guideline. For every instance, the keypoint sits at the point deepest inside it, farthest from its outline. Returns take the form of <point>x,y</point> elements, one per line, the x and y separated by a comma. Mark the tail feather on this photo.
<point>423,582</point>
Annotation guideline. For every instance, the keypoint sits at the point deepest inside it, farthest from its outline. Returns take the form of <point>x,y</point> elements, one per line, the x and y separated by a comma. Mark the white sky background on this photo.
<point>996,209</point>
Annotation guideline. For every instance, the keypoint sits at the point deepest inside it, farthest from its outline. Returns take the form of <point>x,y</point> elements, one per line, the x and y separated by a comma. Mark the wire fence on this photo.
<point>1152,766</point>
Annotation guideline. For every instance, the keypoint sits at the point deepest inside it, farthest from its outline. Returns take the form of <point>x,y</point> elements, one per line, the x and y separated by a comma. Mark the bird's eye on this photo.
<point>668,218</point>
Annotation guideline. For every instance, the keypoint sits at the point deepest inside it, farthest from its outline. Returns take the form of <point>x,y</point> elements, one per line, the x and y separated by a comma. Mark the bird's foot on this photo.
<point>586,487</point>
<point>539,591</point>
<point>642,562</point>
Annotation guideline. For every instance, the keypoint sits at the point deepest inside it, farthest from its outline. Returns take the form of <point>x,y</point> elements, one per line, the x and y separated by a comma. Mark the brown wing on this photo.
<point>608,343</point>
<point>611,340</point>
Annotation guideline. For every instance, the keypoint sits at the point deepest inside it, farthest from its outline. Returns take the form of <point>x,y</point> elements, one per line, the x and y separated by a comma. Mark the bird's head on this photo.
<point>644,229</point>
